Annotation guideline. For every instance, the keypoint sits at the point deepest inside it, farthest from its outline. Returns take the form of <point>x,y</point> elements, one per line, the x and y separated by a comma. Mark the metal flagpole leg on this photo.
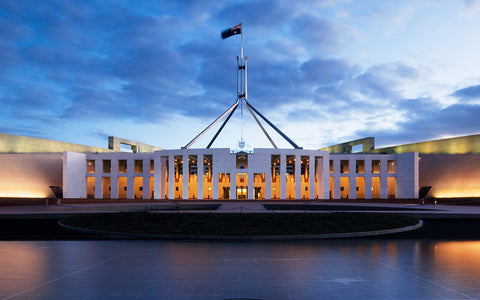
<point>211,125</point>
<point>223,125</point>
<point>274,127</point>
<point>263,129</point>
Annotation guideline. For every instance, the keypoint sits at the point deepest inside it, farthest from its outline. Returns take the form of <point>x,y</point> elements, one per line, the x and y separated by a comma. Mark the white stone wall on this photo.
<point>114,173</point>
<point>406,175</point>
<point>30,175</point>
<point>74,169</point>
<point>225,162</point>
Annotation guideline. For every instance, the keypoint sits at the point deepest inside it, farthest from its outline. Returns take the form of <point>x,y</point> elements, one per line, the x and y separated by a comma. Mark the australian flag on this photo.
<point>232,31</point>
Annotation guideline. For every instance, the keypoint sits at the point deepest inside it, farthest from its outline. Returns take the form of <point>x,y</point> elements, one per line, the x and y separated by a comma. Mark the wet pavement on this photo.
<point>340,269</point>
<point>405,266</point>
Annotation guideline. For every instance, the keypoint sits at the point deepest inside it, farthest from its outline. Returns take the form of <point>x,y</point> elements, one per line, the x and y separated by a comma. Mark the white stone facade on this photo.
<point>262,174</point>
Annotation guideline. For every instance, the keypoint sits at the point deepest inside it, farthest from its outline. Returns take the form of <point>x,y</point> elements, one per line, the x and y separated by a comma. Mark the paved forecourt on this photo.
<point>417,210</point>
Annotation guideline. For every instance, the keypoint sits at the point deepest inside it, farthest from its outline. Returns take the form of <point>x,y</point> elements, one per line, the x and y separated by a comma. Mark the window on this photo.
<point>290,164</point>
<point>242,160</point>
<point>360,167</point>
<point>392,166</point>
<point>107,166</point>
<point>122,187</point>
<point>344,166</point>
<point>138,166</point>
<point>90,166</point>
<point>275,165</point>
<point>375,166</point>
<point>152,165</point>
<point>331,166</point>
<point>122,166</point>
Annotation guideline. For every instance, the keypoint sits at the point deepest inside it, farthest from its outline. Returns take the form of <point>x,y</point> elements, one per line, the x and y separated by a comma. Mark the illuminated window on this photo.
<point>392,166</point>
<point>360,167</point>
<point>138,166</point>
<point>375,166</point>
<point>106,187</point>
<point>122,166</point>
<point>90,166</point>
<point>122,187</point>
<point>344,166</point>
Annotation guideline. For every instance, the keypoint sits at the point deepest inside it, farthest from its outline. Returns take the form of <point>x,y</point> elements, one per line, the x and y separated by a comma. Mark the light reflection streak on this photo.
<point>23,265</point>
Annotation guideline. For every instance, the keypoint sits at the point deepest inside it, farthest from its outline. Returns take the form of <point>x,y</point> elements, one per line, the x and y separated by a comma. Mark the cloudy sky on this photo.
<point>158,72</point>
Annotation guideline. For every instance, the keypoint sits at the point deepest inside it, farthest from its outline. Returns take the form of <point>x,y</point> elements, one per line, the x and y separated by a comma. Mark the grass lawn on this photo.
<point>236,224</point>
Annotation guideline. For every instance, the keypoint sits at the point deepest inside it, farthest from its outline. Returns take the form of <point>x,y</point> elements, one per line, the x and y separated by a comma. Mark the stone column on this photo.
<point>171,176</point>
<point>383,186</point>
<point>250,189</point>
<point>159,185</point>
<point>268,183</point>
<point>98,184</point>
<point>214,169</point>
<point>146,179</point>
<point>114,179</point>
<point>311,174</point>
<point>130,178</point>
<point>326,177</point>
<point>233,185</point>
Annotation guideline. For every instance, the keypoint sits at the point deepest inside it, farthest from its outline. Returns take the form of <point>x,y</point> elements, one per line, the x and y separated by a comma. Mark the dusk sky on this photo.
<point>158,72</point>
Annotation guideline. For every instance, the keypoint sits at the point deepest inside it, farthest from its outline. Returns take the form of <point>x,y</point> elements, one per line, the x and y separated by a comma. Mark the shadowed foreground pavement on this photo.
<point>41,261</point>
<point>47,229</point>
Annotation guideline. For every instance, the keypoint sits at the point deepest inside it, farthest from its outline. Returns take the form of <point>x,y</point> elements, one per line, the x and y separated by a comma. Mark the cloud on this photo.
<point>254,13</point>
<point>312,31</point>
<point>455,120</point>
<point>327,71</point>
<point>77,62</point>
<point>468,93</point>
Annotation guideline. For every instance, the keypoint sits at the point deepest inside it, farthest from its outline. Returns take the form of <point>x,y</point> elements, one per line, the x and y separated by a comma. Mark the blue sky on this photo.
<point>324,72</point>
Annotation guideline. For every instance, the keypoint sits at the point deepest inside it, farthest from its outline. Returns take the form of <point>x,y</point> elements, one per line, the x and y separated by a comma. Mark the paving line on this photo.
<point>66,275</point>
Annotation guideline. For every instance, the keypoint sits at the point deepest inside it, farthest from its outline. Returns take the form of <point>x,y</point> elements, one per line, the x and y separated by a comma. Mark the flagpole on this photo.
<point>242,66</point>
<point>241,33</point>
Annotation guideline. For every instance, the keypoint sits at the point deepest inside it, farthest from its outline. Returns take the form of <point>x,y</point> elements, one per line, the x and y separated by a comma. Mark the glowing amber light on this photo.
<point>15,193</point>
<point>465,191</point>
<point>457,194</point>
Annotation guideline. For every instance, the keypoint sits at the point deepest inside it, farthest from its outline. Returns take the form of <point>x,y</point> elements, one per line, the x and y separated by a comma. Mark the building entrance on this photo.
<point>258,192</point>
<point>226,193</point>
<point>242,192</point>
